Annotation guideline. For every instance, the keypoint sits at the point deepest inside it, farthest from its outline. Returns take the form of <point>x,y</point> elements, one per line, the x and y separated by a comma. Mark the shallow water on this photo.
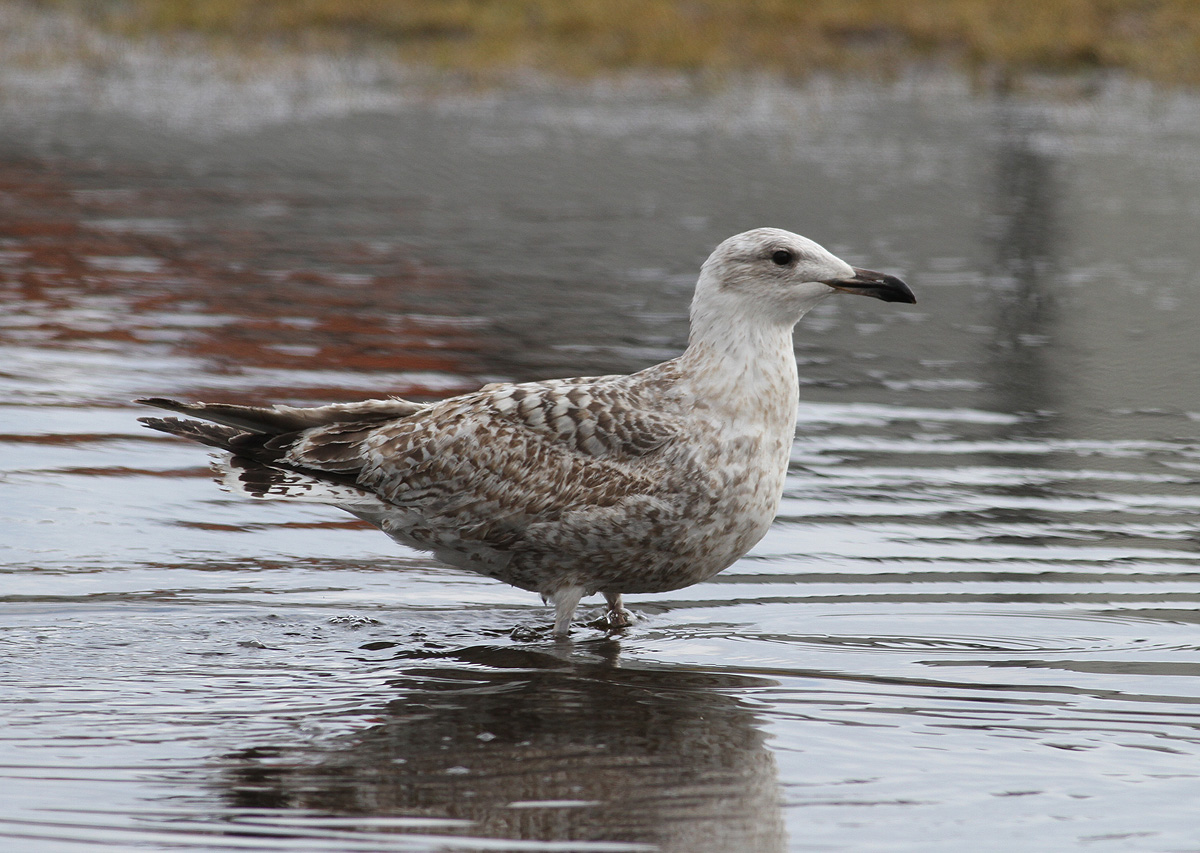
<point>974,622</point>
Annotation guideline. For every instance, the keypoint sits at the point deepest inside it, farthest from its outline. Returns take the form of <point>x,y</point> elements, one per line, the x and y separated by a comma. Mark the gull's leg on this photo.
<point>617,616</point>
<point>565,600</point>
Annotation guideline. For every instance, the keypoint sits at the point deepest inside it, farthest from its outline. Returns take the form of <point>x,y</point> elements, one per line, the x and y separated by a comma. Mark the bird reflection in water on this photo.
<point>530,745</point>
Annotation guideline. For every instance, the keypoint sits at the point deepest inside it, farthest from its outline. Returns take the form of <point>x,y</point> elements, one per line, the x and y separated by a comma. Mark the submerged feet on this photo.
<point>615,618</point>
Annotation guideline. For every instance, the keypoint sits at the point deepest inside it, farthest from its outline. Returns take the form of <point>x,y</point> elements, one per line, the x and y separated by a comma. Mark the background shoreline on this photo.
<point>997,44</point>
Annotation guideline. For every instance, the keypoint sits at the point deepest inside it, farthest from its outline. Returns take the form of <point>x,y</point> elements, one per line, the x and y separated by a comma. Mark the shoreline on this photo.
<point>997,45</point>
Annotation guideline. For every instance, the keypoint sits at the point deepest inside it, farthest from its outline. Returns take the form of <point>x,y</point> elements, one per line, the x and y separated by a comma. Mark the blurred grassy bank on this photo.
<point>1155,39</point>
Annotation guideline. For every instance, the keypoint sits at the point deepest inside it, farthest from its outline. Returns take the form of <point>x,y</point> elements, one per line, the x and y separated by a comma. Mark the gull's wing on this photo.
<point>493,460</point>
<point>277,419</point>
<point>531,451</point>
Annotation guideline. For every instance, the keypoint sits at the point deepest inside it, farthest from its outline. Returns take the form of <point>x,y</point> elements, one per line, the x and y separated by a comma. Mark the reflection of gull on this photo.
<point>522,745</point>
<point>612,484</point>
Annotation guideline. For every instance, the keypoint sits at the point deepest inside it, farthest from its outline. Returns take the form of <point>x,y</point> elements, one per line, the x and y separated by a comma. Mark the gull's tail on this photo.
<point>255,441</point>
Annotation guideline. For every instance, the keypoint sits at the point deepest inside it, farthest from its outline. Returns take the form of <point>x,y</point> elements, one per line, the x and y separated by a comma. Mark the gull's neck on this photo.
<point>743,365</point>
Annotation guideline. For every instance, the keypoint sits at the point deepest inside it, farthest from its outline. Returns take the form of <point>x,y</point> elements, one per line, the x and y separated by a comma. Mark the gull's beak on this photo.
<point>877,284</point>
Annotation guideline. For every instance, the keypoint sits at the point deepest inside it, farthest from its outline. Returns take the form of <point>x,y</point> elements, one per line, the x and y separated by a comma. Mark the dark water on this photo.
<point>974,625</point>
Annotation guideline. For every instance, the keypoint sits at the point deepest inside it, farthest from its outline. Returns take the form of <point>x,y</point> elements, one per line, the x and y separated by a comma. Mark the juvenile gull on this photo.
<point>612,484</point>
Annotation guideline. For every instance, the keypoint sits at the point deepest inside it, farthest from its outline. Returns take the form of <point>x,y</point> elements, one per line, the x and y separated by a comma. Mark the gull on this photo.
<point>637,483</point>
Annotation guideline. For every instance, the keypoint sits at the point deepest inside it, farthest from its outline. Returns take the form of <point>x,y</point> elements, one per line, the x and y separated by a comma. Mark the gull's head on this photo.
<point>777,276</point>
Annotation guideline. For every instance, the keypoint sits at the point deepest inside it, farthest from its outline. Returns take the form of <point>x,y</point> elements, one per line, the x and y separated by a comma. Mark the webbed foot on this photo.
<point>616,618</point>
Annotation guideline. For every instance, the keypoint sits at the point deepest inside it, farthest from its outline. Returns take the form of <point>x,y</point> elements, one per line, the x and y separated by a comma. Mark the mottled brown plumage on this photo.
<point>612,484</point>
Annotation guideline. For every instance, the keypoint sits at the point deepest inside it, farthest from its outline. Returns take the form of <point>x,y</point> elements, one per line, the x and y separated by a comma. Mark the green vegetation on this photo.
<point>1156,39</point>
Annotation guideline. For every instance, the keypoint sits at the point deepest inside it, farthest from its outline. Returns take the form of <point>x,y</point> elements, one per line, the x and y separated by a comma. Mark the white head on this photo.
<point>773,277</point>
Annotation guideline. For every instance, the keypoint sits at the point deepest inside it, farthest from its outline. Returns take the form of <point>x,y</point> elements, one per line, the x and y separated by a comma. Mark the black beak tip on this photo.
<point>895,290</point>
<point>877,284</point>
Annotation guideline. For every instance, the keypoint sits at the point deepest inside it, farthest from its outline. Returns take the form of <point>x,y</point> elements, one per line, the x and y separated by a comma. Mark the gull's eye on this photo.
<point>782,257</point>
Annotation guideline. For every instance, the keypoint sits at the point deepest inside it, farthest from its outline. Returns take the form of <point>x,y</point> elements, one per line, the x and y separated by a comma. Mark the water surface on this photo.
<point>974,622</point>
